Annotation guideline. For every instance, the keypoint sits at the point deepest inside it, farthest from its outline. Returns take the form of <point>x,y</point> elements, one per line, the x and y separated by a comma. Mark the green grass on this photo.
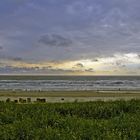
<point>118,120</point>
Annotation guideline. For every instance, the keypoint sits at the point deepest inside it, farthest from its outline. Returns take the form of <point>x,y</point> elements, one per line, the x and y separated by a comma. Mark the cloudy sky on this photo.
<point>89,37</point>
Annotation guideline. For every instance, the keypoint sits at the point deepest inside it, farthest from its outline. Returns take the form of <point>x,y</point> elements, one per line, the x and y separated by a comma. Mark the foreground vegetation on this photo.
<point>118,120</point>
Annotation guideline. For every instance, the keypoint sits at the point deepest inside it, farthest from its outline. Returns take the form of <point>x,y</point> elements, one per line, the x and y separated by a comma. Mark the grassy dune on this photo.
<point>119,120</point>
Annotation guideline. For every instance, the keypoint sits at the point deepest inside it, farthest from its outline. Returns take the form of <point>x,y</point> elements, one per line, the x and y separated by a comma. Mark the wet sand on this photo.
<point>69,96</point>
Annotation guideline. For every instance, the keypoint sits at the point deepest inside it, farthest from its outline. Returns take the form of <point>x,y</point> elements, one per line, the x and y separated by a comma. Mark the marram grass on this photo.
<point>118,120</point>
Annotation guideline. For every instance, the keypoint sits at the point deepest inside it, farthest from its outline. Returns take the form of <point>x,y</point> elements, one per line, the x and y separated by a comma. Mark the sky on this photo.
<point>70,37</point>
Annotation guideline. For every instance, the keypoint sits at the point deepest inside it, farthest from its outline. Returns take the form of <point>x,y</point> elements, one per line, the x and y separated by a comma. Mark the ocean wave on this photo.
<point>69,84</point>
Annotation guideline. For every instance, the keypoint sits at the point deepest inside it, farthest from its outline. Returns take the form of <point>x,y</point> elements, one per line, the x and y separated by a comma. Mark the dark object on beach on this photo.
<point>28,100</point>
<point>76,100</point>
<point>62,99</point>
<point>15,101</point>
<point>38,99</point>
<point>22,100</point>
<point>41,100</point>
<point>8,100</point>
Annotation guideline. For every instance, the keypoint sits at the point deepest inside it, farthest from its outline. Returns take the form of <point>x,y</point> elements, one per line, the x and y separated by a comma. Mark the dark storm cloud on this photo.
<point>54,40</point>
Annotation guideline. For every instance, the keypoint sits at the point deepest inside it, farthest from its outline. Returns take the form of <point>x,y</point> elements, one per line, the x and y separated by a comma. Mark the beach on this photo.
<point>69,96</point>
<point>69,88</point>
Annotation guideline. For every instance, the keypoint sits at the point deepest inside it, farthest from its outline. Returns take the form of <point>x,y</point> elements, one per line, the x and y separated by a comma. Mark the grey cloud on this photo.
<point>49,67</point>
<point>17,59</point>
<point>14,69</point>
<point>79,65</point>
<point>95,60</point>
<point>11,58</point>
<point>1,48</point>
<point>120,64</point>
<point>65,71</point>
<point>92,29</point>
<point>10,69</point>
<point>89,70</point>
<point>54,40</point>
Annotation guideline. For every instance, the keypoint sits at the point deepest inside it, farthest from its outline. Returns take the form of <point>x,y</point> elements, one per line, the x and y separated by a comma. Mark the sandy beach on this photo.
<point>69,96</point>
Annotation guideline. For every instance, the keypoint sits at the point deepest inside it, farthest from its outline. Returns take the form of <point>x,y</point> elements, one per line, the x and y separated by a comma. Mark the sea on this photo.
<point>69,83</point>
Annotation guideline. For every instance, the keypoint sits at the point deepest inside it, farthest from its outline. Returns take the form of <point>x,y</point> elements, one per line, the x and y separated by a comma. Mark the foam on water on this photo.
<point>105,83</point>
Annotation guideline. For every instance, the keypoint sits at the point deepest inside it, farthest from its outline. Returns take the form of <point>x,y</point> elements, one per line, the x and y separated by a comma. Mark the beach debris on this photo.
<point>29,100</point>
<point>41,100</point>
<point>15,101</point>
<point>76,100</point>
<point>8,100</point>
<point>62,99</point>
<point>21,100</point>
